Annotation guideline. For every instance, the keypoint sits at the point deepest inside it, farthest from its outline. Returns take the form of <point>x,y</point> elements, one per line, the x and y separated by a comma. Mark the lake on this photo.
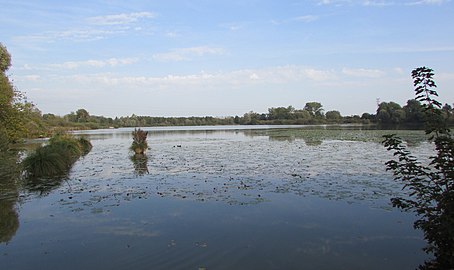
<point>235,197</point>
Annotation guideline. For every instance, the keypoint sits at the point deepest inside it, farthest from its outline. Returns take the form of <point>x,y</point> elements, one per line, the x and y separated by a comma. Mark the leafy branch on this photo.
<point>431,194</point>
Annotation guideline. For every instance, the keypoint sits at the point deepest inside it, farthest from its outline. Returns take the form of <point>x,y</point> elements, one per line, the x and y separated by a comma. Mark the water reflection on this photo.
<point>9,194</point>
<point>223,199</point>
<point>43,186</point>
<point>140,162</point>
<point>315,135</point>
<point>9,220</point>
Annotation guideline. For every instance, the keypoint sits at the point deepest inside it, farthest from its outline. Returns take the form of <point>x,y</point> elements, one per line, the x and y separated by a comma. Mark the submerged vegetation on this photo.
<point>56,157</point>
<point>431,186</point>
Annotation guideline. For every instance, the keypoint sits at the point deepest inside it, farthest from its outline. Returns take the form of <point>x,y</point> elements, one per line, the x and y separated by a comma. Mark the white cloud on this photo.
<point>272,75</point>
<point>381,3</point>
<point>172,34</point>
<point>95,28</point>
<point>112,62</point>
<point>32,77</point>
<point>428,2</point>
<point>378,3</point>
<point>306,18</point>
<point>362,72</point>
<point>254,76</point>
<point>120,19</point>
<point>186,54</point>
<point>333,2</point>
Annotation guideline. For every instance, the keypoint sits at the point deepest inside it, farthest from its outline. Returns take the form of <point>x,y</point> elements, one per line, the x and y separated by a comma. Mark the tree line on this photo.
<point>387,114</point>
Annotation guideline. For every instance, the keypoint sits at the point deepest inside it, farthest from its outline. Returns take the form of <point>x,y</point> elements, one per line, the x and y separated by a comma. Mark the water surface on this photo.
<point>218,198</point>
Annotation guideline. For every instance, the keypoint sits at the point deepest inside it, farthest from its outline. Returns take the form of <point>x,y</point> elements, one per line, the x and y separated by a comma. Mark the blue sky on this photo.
<point>224,58</point>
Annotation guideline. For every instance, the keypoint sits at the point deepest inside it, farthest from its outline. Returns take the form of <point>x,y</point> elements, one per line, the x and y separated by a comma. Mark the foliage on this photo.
<point>85,145</point>
<point>431,186</point>
<point>314,108</point>
<point>46,161</point>
<point>390,113</point>
<point>55,158</point>
<point>139,141</point>
<point>5,59</point>
<point>18,117</point>
<point>333,116</point>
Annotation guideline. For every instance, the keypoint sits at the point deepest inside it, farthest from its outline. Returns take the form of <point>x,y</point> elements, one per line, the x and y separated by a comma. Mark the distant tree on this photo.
<point>82,116</point>
<point>448,112</point>
<point>281,113</point>
<point>333,116</point>
<point>414,112</point>
<point>314,108</point>
<point>250,118</point>
<point>390,113</point>
<point>303,115</point>
<point>368,116</point>
<point>70,117</point>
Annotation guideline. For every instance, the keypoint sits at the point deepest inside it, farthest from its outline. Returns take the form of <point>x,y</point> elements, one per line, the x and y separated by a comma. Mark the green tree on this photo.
<point>5,59</point>
<point>314,108</point>
<point>281,113</point>
<point>333,116</point>
<point>11,118</point>
<point>414,112</point>
<point>390,113</point>
<point>82,116</point>
<point>431,186</point>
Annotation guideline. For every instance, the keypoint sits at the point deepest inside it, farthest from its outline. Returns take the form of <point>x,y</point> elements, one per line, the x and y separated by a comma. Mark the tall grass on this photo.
<point>139,141</point>
<point>57,157</point>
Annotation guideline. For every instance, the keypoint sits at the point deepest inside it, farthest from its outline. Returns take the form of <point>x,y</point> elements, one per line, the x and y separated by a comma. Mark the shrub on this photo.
<point>139,141</point>
<point>431,186</point>
<point>57,157</point>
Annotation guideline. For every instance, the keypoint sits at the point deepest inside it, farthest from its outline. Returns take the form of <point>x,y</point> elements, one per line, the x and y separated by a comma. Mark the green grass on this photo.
<point>57,157</point>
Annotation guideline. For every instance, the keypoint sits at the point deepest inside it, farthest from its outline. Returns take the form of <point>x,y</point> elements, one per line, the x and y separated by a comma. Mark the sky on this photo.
<point>224,58</point>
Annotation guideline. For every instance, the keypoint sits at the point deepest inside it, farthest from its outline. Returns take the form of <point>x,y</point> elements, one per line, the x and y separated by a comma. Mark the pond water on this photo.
<point>286,197</point>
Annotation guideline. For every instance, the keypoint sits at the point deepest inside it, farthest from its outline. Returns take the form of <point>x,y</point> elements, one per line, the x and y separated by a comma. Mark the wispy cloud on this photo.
<point>111,62</point>
<point>278,75</point>
<point>185,54</point>
<point>363,72</point>
<point>428,2</point>
<point>94,28</point>
<point>334,2</point>
<point>381,3</point>
<point>304,18</point>
<point>233,26</point>
<point>120,19</point>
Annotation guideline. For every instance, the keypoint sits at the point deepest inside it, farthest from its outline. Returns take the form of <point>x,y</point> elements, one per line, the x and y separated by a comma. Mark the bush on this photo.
<point>57,157</point>
<point>139,141</point>
<point>431,186</point>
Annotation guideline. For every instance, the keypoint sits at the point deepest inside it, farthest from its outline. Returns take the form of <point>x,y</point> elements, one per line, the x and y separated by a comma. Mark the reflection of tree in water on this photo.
<point>9,220</point>
<point>315,135</point>
<point>9,173</point>
<point>312,142</point>
<point>140,162</point>
<point>291,138</point>
<point>282,138</point>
